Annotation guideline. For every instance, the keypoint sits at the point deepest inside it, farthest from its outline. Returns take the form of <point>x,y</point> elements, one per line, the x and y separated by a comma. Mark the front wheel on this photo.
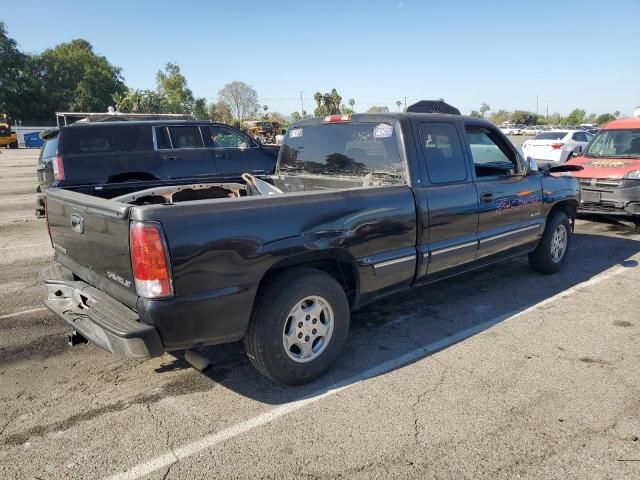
<point>13,145</point>
<point>299,326</point>
<point>551,253</point>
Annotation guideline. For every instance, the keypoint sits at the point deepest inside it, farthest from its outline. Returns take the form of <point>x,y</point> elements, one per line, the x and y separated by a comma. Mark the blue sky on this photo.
<point>569,53</point>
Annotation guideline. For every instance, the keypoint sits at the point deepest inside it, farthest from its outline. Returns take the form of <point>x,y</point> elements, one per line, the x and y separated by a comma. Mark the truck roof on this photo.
<point>631,122</point>
<point>390,116</point>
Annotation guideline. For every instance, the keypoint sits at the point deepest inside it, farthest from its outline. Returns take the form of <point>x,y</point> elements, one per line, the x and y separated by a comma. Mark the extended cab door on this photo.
<point>450,222</point>
<point>510,201</point>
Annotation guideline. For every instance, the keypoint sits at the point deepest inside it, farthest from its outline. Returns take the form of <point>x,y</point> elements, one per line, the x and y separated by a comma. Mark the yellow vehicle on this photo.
<point>8,138</point>
<point>262,130</point>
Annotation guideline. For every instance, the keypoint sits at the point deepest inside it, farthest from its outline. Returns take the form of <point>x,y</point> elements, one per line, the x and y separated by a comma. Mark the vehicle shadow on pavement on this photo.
<point>383,332</point>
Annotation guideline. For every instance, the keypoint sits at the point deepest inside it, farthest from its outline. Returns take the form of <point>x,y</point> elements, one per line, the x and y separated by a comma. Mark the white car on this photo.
<point>555,147</point>
<point>510,130</point>
<point>532,130</point>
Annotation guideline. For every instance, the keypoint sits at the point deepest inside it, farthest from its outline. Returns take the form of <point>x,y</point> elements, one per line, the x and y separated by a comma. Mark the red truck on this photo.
<point>610,178</point>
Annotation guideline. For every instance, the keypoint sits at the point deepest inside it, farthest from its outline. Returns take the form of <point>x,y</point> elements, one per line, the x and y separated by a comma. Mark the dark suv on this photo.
<point>99,157</point>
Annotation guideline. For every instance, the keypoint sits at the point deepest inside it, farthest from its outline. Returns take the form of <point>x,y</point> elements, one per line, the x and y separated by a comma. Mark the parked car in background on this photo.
<point>555,147</point>
<point>100,158</point>
<point>610,178</point>
<point>532,130</point>
<point>510,130</point>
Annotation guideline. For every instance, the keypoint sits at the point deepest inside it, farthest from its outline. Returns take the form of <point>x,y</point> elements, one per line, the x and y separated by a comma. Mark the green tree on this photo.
<point>605,118</point>
<point>524,117</point>
<point>475,113</point>
<point>328,103</point>
<point>617,113</point>
<point>399,104</point>
<point>376,109</point>
<point>76,79</point>
<point>576,117</point>
<point>501,116</point>
<point>219,112</point>
<point>200,109</point>
<point>484,108</point>
<point>351,102</point>
<point>172,85</point>
<point>241,100</point>
<point>20,91</point>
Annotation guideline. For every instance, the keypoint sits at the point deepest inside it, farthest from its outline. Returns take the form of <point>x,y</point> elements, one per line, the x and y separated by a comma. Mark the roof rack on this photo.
<point>66,118</point>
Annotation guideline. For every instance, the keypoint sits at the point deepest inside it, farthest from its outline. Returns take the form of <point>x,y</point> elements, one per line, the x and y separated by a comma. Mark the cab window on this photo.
<point>491,157</point>
<point>442,153</point>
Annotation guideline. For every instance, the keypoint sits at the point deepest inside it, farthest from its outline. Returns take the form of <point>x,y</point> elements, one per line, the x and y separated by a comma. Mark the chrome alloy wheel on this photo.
<point>308,329</point>
<point>559,243</point>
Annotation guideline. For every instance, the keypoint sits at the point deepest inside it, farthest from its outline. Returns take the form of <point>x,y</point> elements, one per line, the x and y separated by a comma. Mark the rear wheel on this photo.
<point>299,326</point>
<point>551,253</point>
<point>13,145</point>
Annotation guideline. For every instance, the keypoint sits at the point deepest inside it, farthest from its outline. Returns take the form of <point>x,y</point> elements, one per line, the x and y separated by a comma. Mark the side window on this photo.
<point>222,137</point>
<point>50,148</point>
<point>186,137</point>
<point>490,156</point>
<point>442,152</point>
<point>162,138</point>
<point>580,137</point>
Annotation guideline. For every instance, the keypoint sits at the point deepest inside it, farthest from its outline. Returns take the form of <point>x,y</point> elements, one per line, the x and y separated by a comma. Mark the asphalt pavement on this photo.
<point>500,374</point>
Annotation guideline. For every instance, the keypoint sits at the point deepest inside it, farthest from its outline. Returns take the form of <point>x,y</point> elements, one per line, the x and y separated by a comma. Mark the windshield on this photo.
<point>615,143</point>
<point>343,149</point>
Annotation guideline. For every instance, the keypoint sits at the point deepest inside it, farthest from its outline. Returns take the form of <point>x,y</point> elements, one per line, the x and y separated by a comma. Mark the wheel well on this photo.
<point>343,270</point>
<point>570,207</point>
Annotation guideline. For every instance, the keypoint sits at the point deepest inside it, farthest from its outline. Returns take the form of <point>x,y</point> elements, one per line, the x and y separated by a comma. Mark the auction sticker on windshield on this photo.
<point>382,130</point>
<point>295,133</point>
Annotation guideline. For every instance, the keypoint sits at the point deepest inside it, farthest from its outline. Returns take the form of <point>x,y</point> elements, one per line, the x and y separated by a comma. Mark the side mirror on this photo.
<point>532,166</point>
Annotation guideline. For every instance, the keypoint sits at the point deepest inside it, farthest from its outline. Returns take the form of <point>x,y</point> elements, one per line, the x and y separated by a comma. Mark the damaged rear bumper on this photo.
<point>98,317</point>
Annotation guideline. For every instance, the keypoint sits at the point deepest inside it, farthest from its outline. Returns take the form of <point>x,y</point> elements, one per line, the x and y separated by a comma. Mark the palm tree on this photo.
<point>352,102</point>
<point>318,98</point>
<point>398,104</point>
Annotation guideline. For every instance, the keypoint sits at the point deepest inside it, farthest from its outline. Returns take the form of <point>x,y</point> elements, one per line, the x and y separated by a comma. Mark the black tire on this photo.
<point>13,145</point>
<point>263,340</point>
<point>541,259</point>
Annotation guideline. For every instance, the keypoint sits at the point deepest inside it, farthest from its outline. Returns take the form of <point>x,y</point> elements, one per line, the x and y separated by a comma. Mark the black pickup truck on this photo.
<point>360,206</point>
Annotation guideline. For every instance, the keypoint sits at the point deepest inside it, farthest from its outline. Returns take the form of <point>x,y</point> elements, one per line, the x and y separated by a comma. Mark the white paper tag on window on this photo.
<point>295,132</point>
<point>382,130</point>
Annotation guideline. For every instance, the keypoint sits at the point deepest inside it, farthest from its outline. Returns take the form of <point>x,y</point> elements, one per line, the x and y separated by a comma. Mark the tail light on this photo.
<point>557,146</point>
<point>150,260</point>
<point>58,167</point>
<point>337,118</point>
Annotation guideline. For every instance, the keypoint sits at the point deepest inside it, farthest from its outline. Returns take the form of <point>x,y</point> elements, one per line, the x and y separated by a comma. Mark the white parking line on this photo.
<point>209,441</point>
<point>26,246</point>
<point>23,312</point>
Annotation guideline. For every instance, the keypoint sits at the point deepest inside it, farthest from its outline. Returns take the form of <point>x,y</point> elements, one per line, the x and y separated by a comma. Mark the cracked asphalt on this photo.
<point>500,374</point>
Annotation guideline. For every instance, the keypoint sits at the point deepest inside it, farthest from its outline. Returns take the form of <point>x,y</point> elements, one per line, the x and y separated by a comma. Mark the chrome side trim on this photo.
<point>511,232</point>
<point>394,261</point>
<point>452,248</point>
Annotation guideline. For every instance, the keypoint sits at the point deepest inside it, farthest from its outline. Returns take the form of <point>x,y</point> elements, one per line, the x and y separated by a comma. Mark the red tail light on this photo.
<point>58,167</point>
<point>150,260</point>
<point>337,118</point>
<point>557,146</point>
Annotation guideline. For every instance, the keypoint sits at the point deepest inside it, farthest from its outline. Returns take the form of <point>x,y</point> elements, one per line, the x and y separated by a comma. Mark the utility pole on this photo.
<point>547,113</point>
<point>537,95</point>
<point>405,104</point>
<point>301,105</point>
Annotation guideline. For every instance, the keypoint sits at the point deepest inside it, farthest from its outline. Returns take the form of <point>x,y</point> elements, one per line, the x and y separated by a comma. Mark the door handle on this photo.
<point>220,155</point>
<point>487,197</point>
<point>170,157</point>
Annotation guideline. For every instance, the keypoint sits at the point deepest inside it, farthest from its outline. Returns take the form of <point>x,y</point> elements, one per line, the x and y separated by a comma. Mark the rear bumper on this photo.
<point>98,317</point>
<point>624,200</point>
